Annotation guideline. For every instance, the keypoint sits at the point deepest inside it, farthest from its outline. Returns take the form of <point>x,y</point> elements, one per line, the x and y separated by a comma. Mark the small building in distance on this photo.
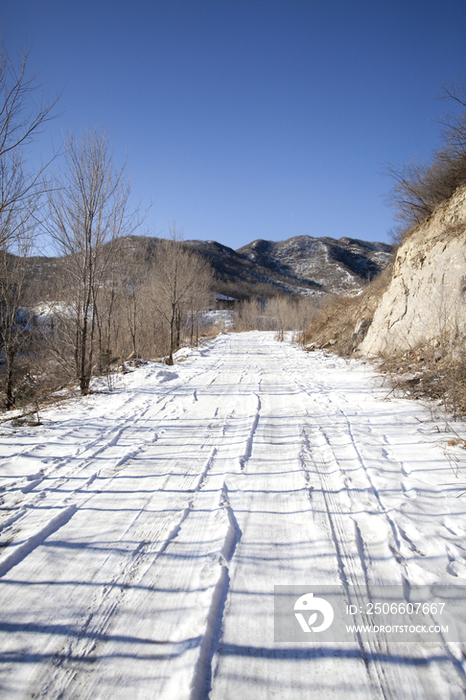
<point>223,302</point>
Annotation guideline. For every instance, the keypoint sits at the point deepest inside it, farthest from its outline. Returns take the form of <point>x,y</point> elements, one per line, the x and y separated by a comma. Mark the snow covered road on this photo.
<point>143,531</point>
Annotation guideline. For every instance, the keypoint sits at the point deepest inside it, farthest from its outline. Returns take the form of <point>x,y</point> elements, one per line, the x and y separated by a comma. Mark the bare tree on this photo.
<point>181,281</point>
<point>21,119</point>
<point>88,211</point>
<point>134,276</point>
<point>15,326</point>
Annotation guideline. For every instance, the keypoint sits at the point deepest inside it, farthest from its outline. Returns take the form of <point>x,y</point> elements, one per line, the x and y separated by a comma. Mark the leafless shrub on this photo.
<point>280,313</point>
<point>249,315</point>
<point>418,188</point>
<point>433,370</point>
<point>341,322</point>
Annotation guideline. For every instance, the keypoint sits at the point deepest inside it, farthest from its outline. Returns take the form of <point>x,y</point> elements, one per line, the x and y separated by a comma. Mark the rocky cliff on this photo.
<point>332,266</point>
<point>426,298</point>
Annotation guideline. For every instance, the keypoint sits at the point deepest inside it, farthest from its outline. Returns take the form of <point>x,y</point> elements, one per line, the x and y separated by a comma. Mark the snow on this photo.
<point>144,530</point>
<point>220,317</point>
<point>223,297</point>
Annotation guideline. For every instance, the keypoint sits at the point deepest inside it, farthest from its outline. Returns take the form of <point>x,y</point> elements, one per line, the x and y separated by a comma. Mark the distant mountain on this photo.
<point>300,265</point>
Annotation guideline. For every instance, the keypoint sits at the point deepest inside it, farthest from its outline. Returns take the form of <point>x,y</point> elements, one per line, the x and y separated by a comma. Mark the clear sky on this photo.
<point>245,119</point>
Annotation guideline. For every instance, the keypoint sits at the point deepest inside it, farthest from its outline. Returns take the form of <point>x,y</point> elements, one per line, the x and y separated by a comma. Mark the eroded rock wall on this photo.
<point>426,297</point>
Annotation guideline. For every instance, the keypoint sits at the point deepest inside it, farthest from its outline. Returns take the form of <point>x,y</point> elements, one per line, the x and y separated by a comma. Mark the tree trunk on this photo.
<point>10,399</point>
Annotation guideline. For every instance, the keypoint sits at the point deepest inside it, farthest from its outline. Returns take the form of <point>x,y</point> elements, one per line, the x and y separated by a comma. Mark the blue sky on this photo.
<point>249,119</point>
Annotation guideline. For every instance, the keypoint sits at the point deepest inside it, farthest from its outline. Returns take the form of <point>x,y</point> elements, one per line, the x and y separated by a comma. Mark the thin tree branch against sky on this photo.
<point>247,119</point>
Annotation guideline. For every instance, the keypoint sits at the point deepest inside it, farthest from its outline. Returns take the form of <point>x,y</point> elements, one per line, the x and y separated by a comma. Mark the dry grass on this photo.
<point>342,322</point>
<point>435,370</point>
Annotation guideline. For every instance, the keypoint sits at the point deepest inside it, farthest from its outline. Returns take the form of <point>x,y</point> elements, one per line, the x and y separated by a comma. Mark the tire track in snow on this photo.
<point>389,679</point>
<point>173,534</point>
<point>398,542</point>
<point>196,525</point>
<point>325,441</point>
<point>375,491</point>
<point>55,480</point>
<point>351,566</point>
<point>248,447</point>
<point>92,631</point>
<point>203,673</point>
<point>29,516</point>
<point>55,475</point>
<point>401,544</point>
<point>22,550</point>
<point>81,644</point>
<point>206,536</point>
<point>85,641</point>
<point>351,556</point>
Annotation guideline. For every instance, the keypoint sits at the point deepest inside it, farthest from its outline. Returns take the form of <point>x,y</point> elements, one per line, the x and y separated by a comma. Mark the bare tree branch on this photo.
<point>88,212</point>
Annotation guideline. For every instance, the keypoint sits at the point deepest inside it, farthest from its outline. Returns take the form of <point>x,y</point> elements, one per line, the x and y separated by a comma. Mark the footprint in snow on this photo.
<point>408,490</point>
<point>452,527</point>
<point>456,565</point>
<point>457,568</point>
<point>31,485</point>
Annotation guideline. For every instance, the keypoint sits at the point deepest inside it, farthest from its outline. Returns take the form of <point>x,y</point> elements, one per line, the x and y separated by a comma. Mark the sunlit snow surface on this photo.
<point>143,530</point>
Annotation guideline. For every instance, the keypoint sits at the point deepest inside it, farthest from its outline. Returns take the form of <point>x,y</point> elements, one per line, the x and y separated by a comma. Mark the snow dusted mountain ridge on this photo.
<point>301,265</point>
<point>334,265</point>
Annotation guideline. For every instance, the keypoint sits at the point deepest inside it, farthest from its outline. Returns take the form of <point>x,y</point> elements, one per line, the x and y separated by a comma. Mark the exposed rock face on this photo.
<point>332,266</point>
<point>427,295</point>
